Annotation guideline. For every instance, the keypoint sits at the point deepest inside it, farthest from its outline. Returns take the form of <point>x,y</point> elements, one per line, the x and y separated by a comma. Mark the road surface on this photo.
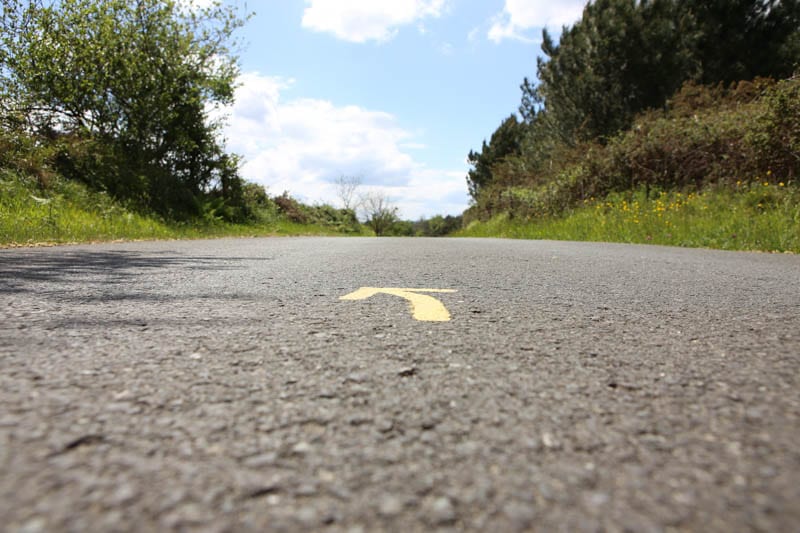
<point>225,385</point>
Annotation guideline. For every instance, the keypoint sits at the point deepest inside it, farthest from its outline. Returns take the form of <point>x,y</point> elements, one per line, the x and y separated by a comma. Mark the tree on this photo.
<point>347,189</point>
<point>504,142</point>
<point>626,56</point>
<point>379,213</point>
<point>127,86</point>
<point>744,39</point>
<point>622,57</point>
<point>401,228</point>
<point>437,225</point>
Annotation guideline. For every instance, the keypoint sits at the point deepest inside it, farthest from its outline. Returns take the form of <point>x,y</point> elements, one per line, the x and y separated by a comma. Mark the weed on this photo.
<point>761,215</point>
<point>67,212</point>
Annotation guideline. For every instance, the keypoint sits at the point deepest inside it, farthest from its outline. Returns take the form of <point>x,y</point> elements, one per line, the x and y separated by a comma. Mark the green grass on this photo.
<point>68,212</point>
<point>759,216</point>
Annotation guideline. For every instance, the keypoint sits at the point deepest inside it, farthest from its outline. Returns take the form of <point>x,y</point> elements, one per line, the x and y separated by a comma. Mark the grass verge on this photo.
<point>761,216</point>
<point>70,213</point>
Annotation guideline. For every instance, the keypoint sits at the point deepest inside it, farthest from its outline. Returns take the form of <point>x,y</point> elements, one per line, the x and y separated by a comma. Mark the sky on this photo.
<point>394,92</point>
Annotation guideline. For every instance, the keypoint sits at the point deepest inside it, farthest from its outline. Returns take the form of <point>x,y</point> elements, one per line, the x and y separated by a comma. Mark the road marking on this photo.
<point>423,307</point>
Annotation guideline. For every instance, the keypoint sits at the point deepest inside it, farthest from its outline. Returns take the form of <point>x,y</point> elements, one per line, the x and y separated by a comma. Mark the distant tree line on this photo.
<point>117,94</point>
<point>382,216</point>
<point>435,226</point>
<point>621,58</point>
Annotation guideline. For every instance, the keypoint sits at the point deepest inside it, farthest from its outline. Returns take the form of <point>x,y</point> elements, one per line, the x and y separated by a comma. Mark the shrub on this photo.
<point>707,136</point>
<point>22,153</point>
<point>290,208</point>
<point>776,136</point>
<point>325,215</point>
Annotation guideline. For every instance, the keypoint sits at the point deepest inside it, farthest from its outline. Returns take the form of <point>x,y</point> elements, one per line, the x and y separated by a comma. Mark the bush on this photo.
<point>437,226</point>
<point>290,208</point>
<point>22,153</point>
<point>325,215</point>
<point>776,136</point>
<point>738,134</point>
<point>707,136</point>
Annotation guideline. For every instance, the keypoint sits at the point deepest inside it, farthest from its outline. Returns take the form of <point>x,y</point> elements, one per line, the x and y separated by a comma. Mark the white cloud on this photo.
<point>302,145</point>
<point>359,21</point>
<point>521,15</point>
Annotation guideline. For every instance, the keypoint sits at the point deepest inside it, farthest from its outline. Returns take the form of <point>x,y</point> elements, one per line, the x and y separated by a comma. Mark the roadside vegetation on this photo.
<point>119,96</point>
<point>639,133</point>
<point>658,121</point>
<point>67,211</point>
<point>758,216</point>
<point>107,130</point>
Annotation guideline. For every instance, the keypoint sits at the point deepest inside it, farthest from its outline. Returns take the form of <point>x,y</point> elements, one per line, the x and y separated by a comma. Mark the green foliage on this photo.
<point>505,142</point>
<point>622,57</point>
<point>750,129</point>
<point>67,211</point>
<point>625,56</point>
<point>383,220</point>
<point>776,135</point>
<point>749,217</point>
<point>21,153</point>
<point>255,196</point>
<point>437,226</point>
<point>343,220</point>
<point>291,208</point>
<point>400,228</point>
<point>379,213</point>
<point>744,39</point>
<point>608,82</point>
<point>121,90</point>
<point>708,135</point>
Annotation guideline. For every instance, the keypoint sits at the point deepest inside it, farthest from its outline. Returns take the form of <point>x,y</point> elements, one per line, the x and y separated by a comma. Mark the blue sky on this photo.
<point>396,92</point>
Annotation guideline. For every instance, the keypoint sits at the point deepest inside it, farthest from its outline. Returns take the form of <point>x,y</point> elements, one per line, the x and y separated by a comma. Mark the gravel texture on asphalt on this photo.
<point>223,386</point>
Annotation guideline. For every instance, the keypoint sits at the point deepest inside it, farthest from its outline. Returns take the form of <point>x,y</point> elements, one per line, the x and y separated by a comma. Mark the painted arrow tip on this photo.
<point>424,308</point>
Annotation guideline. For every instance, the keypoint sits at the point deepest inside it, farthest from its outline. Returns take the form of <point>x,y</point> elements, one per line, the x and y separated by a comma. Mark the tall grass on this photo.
<point>67,212</point>
<point>705,136</point>
<point>761,216</point>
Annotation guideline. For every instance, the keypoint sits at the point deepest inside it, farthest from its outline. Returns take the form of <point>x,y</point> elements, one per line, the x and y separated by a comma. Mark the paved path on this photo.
<point>225,386</point>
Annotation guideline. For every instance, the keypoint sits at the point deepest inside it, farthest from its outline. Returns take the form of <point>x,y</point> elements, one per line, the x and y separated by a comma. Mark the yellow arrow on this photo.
<point>423,307</point>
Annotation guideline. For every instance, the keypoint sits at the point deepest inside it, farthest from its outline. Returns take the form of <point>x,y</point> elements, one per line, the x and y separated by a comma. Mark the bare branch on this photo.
<point>379,213</point>
<point>346,189</point>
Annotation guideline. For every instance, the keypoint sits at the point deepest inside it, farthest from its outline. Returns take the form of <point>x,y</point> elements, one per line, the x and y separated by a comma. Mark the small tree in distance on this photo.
<point>346,190</point>
<point>379,213</point>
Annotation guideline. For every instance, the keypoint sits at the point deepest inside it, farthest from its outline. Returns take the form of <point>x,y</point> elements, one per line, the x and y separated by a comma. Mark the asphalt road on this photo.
<point>224,386</point>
